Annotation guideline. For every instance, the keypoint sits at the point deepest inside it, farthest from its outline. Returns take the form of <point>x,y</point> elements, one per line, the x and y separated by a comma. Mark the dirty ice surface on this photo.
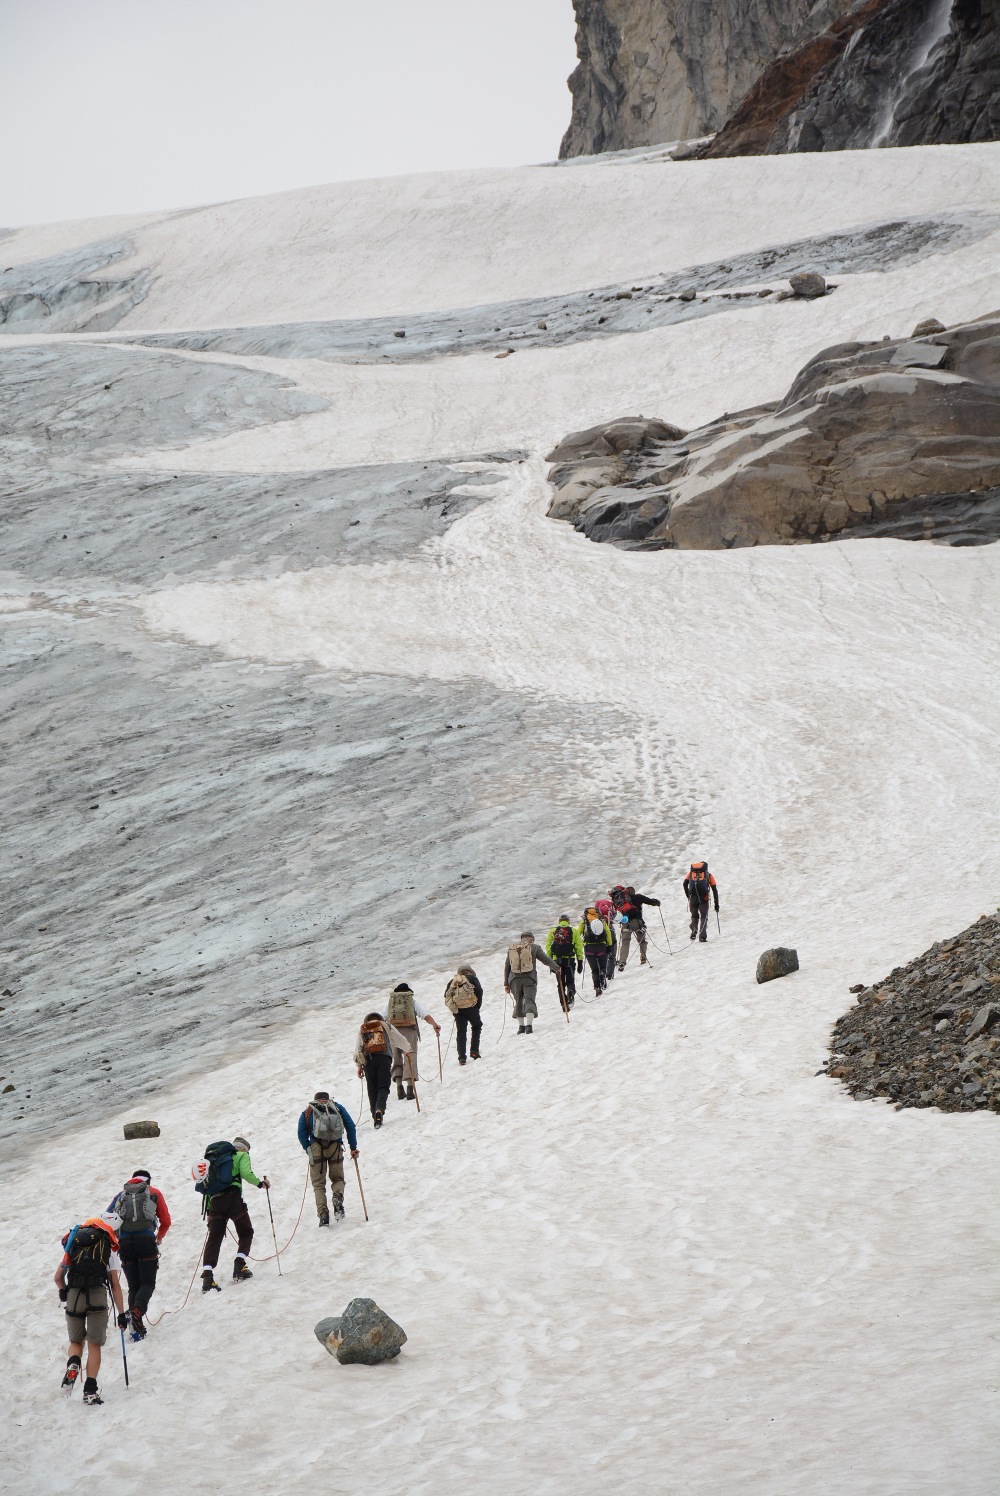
<point>650,1247</point>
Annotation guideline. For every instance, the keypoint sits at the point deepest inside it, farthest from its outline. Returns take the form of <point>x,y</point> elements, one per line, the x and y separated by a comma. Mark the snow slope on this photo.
<point>650,1248</point>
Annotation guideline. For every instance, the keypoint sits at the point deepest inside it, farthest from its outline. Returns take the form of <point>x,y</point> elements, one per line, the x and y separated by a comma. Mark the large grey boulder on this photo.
<point>897,438</point>
<point>141,1130</point>
<point>363,1333</point>
<point>777,962</point>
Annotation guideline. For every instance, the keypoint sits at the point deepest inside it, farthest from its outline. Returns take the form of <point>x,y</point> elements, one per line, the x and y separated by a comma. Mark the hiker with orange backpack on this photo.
<point>629,905</point>
<point>90,1267</point>
<point>373,1056</point>
<point>699,886</point>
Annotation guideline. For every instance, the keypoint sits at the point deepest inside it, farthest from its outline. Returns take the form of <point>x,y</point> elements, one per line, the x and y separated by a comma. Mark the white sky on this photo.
<point>113,106</point>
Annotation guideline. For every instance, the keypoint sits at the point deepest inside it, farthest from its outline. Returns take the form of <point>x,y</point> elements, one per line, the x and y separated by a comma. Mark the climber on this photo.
<point>520,978</point>
<point>699,885</point>
<point>321,1132</point>
<point>629,906</point>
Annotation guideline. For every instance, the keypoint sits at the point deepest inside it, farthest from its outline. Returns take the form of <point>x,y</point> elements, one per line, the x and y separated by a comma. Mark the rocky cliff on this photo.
<point>785,75</point>
<point>656,70</point>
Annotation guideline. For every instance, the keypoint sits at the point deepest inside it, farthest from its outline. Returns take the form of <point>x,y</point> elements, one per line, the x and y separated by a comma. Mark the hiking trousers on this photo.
<point>524,990</point>
<point>404,1066</point>
<point>465,1019</point>
<point>598,963</point>
<point>140,1260</point>
<point>567,970</point>
<point>378,1076</point>
<point>699,918</point>
<point>326,1161</point>
<point>228,1205</point>
<point>612,956</point>
<point>638,929</point>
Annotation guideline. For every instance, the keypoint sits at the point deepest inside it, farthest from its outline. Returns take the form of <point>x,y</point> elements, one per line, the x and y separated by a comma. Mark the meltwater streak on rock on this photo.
<point>579,316</point>
<point>63,293</point>
<point>194,847</point>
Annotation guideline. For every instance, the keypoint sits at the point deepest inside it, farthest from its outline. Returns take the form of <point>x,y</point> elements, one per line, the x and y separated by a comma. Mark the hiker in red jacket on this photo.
<point>629,906</point>
<point>145,1221</point>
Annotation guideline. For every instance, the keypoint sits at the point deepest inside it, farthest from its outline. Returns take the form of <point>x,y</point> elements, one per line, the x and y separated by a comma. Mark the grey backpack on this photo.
<point>136,1207</point>
<point>327,1123</point>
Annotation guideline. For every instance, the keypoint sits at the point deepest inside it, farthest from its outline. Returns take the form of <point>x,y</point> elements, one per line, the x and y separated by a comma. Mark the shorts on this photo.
<point>87,1315</point>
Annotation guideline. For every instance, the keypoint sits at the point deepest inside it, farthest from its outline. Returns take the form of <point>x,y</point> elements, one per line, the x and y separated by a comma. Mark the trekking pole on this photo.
<point>562,995</point>
<point>274,1236</point>
<point>357,1171</point>
<point>717,921</point>
<point>124,1357</point>
<point>663,923</point>
<point>437,1035</point>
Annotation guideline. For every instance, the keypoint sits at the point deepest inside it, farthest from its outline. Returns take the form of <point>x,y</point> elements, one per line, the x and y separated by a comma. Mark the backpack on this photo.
<point>373,1040</point>
<point>89,1251</point>
<point>622,898</point>
<point>460,994</point>
<point>327,1124</point>
<point>522,957</point>
<point>219,1157</point>
<point>698,884</point>
<point>562,942</point>
<point>595,928</point>
<point>401,1012</point>
<point>136,1207</point>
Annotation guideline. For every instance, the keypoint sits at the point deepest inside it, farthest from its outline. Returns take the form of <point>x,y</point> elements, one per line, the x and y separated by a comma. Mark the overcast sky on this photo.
<point>110,106</point>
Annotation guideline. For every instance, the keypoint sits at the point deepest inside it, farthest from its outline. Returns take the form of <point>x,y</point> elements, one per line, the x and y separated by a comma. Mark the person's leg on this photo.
<point>371,1083</point>
<point>335,1172</point>
<point>569,978</point>
<point>703,913</point>
<point>317,1178</point>
<point>624,946</point>
<point>461,1032</point>
<point>517,993</point>
<point>694,905</point>
<point>97,1333</point>
<point>93,1361</point>
<point>147,1270</point>
<point>595,960</point>
<point>217,1219</point>
<point>382,1071</point>
<point>612,956</point>
<point>529,1003</point>
<point>240,1217</point>
<point>640,935</point>
<point>127,1251</point>
<point>476,1025</point>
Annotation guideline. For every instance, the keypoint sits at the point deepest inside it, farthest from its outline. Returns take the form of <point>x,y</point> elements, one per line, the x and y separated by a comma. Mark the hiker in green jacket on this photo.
<point>225,1205</point>
<point>565,946</point>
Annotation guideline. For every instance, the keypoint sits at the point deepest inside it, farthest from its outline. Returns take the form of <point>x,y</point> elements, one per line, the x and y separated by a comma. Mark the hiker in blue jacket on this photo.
<point>321,1132</point>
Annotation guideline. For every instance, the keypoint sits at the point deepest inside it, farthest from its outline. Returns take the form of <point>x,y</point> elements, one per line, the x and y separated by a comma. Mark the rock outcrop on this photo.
<point>926,1035</point>
<point>889,73</point>
<point>784,75</point>
<point>364,1334</point>
<point>656,70</point>
<point>899,438</point>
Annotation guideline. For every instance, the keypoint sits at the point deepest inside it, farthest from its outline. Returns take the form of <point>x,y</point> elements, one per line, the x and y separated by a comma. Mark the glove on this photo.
<point>265,1183</point>
<point>656,902</point>
<point>123,1321</point>
<point>63,1295</point>
<point>579,967</point>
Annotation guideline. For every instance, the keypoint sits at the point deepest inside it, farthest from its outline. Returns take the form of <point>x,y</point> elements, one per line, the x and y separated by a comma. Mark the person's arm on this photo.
<point>548,944</point>
<point>429,1018</point>
<point>578,945</point>
<point>59,1276</point>
<point>477,987</point>
<point>162,1215</point>
<point>304,1131</point>
<point>352,1135</point>
<point>642,898</point>
<point>546,960</point>
<point>244,1171</point>
<point>114,1283</point>
<point>715,890</point>
<point>506,975</point>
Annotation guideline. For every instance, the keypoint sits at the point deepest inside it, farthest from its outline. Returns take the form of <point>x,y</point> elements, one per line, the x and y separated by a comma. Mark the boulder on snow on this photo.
<point>777,962</point>
<point>896,438</point>
<point>807,284</point>
<point>363,1333</point>
<point>928,326</point>
<point>141,1130</point>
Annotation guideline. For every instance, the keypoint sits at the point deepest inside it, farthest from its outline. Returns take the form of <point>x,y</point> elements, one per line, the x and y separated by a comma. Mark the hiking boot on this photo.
<point>240,1271</point>
<point>72,1376</point>
<point>338,1207</point>
<point>91,1396</point>
<point>703,939</point>
<point>377,1120</point>
<point>527,1028</point>
<point>694,934</point>
<point>136,1329</point>
<point>324,1218</point>
<point>621,966</point>
<point>474,1054</point>
<point>399,1090</point>
<point>461,1059</point>
<point>522,1028</point>
<point>409,1093</point>
<point>643,961</point>
<point>208,1281</point>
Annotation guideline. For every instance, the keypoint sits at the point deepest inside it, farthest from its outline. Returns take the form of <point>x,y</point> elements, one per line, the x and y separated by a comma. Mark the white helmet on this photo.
<point>199,1171</point>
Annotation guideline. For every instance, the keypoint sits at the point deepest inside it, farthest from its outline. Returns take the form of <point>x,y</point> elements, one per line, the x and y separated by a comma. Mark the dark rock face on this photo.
<point>363,1334</point>
<point>915,1038</point>
<point>656,70</point>
<point>899,438</point>
<point>890,73</point>
<point>781,961</point>
<point>784,76</point>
